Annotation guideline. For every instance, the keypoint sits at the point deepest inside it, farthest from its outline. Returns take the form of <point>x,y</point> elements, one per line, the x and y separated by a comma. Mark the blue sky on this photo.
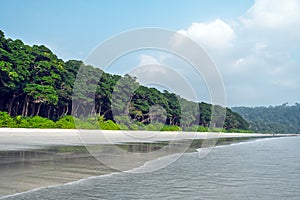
<point>72,28</point>
<point>254,44</point>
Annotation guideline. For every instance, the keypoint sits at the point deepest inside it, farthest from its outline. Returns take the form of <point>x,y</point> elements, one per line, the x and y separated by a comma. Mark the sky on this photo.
<point>255,45</point>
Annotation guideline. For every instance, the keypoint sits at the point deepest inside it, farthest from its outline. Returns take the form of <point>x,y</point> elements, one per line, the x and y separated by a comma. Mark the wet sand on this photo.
<point>26,170</point>
<point>12,139</point>
<point>34,158</point>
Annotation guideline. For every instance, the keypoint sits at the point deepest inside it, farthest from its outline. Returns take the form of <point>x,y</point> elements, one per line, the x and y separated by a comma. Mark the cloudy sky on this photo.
<point>255,45</point>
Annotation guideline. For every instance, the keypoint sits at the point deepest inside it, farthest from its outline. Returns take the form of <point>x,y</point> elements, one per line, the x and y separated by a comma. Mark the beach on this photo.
<point>35,158</point>
<point>12,138</point>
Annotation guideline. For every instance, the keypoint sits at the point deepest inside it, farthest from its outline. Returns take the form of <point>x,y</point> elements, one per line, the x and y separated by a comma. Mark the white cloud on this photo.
<point>273,14</point>
<point>239,61</point>
<point>215,35</point>
<point>262,60</point>
<point>147,60</point>
<point>155,72</point>
<point>286,83</point>
<point>148,68</point>
<point>260,47</point>
<point>257,56</point>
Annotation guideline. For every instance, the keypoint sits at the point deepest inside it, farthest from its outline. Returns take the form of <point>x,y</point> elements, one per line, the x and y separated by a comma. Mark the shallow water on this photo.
<point>262,169</point>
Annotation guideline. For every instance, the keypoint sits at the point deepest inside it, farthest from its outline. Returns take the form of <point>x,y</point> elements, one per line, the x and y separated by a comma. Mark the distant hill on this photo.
<point>272,119</point>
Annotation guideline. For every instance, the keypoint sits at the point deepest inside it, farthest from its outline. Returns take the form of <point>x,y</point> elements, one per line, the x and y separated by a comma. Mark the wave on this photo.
<point>155,164</point>
<point>141,169</point>
<point>146,167</point>
<point>60,185</point>
<point>248,142</point>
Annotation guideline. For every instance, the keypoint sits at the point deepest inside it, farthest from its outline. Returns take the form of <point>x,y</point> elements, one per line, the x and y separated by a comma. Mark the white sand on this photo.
<point>11,138</point>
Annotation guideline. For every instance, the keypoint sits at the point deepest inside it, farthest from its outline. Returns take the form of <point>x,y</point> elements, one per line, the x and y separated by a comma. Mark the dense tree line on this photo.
<point>272,119</point>
<point>35,82</point>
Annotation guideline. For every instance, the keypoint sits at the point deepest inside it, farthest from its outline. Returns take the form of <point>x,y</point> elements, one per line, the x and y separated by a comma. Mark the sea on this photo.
<point>265,169</point>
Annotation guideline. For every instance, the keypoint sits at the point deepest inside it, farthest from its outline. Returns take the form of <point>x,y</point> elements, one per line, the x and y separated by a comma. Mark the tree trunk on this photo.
<point>33,110</point>
<point>76,110</point>
<point>25,106</point>
<point>66,110</point>
<point>11,105</point>
<point>38,110</point>
<point>49,111</point>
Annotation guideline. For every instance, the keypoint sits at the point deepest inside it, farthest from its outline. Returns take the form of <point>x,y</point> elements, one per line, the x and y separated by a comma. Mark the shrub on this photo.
<point>137,126</point>
<point>81,124</point>
<point>6,120</point>
<point>154,126</point>
<point>158,125</point>
<point>150,127</point>
<point>21,122</point>
<point>202,129</point>
<point>192,128</point>
<point>238,131</point>
<point>126,120</point>
<point>141,126</point>
<point>171,128</point>
<point>66,122</point>
<point>70,122</point>
<point>134,127</point>
<point>216,130</point>
<point>123,127</point>
<point>34,122</point>
<point>109,125</point>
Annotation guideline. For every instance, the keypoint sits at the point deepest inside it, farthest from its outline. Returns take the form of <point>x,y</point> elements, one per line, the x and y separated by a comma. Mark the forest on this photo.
<point>35,85</point>
<point>272,119</point>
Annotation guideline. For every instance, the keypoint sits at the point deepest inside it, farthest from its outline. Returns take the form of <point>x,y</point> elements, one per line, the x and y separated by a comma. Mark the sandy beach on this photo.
<point>32,158</point>
<point>14,138</point>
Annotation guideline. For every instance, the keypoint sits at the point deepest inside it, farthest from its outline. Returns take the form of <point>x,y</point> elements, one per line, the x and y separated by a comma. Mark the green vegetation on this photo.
<point>70,122</point>
<point>272,119</point>
<point>171,128</point>
<point>36,91</point>
<point>66,122</point>
<point>109,125</point>
<point>34,122</point>
<point>6,120</point>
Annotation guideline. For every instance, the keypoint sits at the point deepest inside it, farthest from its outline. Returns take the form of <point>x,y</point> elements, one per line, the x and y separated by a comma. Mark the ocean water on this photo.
<point>262,169</point>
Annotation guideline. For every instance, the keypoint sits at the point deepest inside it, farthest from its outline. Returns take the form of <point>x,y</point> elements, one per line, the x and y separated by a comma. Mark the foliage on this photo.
<point>218,130</point>
<point>202,129</point>
<point>34,122</point>
<point>124,120</point>
<point>134,127</point>
<point>154,126</point>
<point>272,119</point>
<point>137,126</point>
<point>82,124</point>
<point>171,128</point>
<point>6,120</point>
<point>109,125</point>
<point>192,128</point>
<point>238,131</point>
<point>66,122</point>
<point>123,127</point>
<point>35,82</point>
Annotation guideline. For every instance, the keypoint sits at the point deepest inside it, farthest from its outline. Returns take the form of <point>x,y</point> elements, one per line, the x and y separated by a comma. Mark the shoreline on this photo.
<point>39,166</point>
<point>16,138</point>
<point>112,172</point>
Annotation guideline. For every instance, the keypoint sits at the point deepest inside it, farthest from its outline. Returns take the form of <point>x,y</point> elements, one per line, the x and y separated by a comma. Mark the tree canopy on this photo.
<point>35,82</point>
<point>272,119</point>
